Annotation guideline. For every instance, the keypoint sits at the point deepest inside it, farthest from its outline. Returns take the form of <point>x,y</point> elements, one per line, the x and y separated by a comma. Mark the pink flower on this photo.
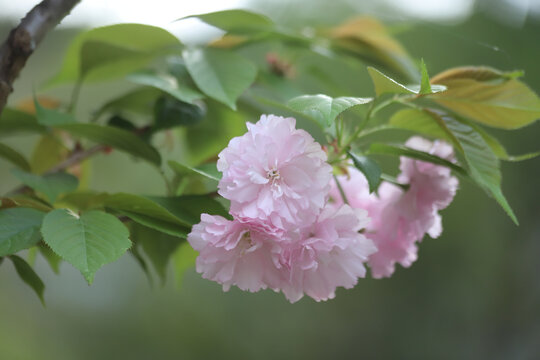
<point>401,218</point>
<point>329,253</point>
<point>275,174</point>
<point>232,253</point>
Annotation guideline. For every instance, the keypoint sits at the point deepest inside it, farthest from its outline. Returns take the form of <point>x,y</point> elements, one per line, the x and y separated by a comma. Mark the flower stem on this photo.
<point>341,192</point>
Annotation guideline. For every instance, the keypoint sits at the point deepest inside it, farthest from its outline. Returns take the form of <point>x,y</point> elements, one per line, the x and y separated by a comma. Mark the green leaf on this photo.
<point>52,259</point>
<point>207,138</point>
<point>220,74</point>
<point>384,85</point>
<point>425,86</point>
<point>489,97</point>
<point>84,200</point>
<point>51,185</point>
<point>116,138</point>
<point>478,73</point>
<point>369,39</point>
<point>29,276</point>
<point>14,121</point>
<point>134,251</point>
<point>159,247</point>
<point>323,108</point>
<point>209,171</point>
<point>49,117</point>
<point>202,179</point>
<point>13,157</point>
<point>188,208</point>
<point>423,122</point>
<point>166,83</point>
<point>369,168</point>
<point>19,229</point>
<point>28,202</point>
<point>48,152</point>
<point>236,21</point>
<point>385,149</point>
<point>482,163</point>
<point>170,112</point>
<point>139,101</point>
<point>88,241</point>
<point>113,51</point>
<point>184,259</point>
<point>497,148</point>
<point>149,213</point>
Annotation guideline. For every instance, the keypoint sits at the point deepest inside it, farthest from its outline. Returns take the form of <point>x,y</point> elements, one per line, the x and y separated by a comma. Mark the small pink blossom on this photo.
<point>275,174</point>
<point>401,218</point>
<point>232,253</point>
<point>328,254</point>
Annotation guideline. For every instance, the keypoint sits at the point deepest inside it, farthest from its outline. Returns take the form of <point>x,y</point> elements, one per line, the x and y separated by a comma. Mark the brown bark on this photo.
<point>24,39</point>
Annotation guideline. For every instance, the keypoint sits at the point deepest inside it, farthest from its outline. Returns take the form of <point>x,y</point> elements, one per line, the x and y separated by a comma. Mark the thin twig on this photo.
<point>24,39</point>
<point>76,157</point>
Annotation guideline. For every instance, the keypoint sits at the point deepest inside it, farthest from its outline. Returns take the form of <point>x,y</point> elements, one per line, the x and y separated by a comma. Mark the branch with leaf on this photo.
<point>201,97</point>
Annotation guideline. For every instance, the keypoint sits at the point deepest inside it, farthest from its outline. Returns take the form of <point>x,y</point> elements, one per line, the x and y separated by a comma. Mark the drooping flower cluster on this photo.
<point>283,235</point>
<point>399,218</point>
<point>291,229</point>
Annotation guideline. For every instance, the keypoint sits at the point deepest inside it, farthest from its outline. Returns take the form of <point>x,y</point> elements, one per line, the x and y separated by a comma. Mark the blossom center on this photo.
<point>273,175</point>
<point>245,242</point>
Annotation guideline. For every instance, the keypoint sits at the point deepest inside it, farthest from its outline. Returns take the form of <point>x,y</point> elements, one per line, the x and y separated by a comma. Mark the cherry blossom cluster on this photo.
<point>292,232</point>
<point>399,218</point>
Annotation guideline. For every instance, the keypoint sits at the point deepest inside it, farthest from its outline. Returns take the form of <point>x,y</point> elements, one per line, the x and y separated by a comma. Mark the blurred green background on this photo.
<point>474,293</point>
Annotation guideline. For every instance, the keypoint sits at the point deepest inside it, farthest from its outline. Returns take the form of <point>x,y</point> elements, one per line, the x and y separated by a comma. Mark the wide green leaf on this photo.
<point>113,51</point>
<point>220,74</point>
<point>84,200</point>
<point>323,108</point>
<point>489,97</point>
<point>116,138</point>
<point>48,152</point>
<point>170,112</point>
<point>157,246</point>
<point>188,208</point>
<point>14,121</point>
<point>386,85</point>
<point>369,39</point>
<point>19,229</point>
<point>421,121</point>
<point>14,157</point>
<point>50,257</point>
<point>207,138</point>
<point>29,276</point>
<point>139,101</point>
<point>207,171</point>
<point>497,148</point>
<point>236,21</point>
<point>166,83</point>
<point>149,213</point>
<point>88,241</point>
<point>51,185</point>
<point>183,258</point>
<point>398,150</point>
<point>27,201</point>
<point>369,168</point>
<point>50,117</point>
<point>482,163</point>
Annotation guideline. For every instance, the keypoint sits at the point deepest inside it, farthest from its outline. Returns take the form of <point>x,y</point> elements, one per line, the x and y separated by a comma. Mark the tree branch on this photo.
<point>24,39</point>
<point>76,157</point>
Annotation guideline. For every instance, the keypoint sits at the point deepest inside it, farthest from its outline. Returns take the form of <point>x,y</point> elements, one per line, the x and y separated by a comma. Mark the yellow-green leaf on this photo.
<point>489,97</point>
